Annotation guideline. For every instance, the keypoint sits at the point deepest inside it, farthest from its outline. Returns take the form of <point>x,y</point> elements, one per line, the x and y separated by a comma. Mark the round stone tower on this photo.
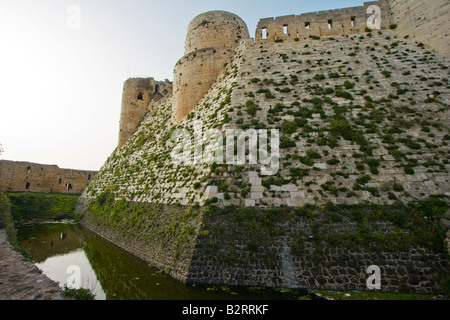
<point>138,97</point>
<point>210,41</point>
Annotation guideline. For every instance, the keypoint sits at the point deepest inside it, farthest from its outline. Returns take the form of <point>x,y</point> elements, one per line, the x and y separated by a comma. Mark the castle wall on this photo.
<point>322,23</point>
<point>33,177</point>
<point>138,97</point>
<point>423,21</point>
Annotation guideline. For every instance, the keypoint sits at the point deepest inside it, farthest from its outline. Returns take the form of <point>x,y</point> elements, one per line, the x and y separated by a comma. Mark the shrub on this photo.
<point>306,161</point>
<point>393,26</point>
<point>197,185</point>
<point>333,162</point>
<point>79,294</point>
<point>319,77</point>
<point>348,85</point>
<point>269,95</point>
<point>251,107</point>
<point>289,127</point>
<point>313,154</point>
<point>364,179</point>
<point>298,173</point>
<point>344,94</point>
<point>334,75</point>
<point>386,73</point>
<point>287,143</point>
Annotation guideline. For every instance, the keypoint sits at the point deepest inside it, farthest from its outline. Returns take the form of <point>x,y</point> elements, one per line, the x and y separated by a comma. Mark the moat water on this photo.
<point>68,251</point>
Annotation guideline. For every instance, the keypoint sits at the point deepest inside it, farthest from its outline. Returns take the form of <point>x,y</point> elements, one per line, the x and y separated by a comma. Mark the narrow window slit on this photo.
<point>264,33</point>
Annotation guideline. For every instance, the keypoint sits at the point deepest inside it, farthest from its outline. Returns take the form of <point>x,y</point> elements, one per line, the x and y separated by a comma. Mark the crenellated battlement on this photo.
<point>322,23</point>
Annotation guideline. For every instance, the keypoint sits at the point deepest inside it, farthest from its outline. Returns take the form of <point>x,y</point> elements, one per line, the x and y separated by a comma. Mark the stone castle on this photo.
<point>364,120</point>
<point>213,36</point>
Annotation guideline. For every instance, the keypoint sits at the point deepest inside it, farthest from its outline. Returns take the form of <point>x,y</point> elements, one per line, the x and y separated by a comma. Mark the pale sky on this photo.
<point>63,65</point>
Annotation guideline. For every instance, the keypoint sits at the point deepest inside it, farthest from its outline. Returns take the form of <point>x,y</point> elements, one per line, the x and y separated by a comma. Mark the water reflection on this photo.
<point>111,272</point>
<point>58,268</point>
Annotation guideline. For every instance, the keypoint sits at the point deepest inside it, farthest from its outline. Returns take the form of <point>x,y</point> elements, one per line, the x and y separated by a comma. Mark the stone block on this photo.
<point>295,195</point>
<point>321,166</point>
<point>257,195</point>
<point>419,177</point>
<point>250,203</point>
<point>257,189</point>
<point>289,188</point>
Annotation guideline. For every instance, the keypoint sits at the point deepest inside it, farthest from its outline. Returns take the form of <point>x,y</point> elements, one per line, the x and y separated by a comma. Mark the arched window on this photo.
<point>140,96</point>
<point>27,186</point>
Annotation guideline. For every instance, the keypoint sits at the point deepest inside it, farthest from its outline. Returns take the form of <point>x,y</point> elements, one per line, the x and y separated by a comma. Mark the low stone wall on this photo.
<point>162,236</point>
<point>308,248</point>
<point>292,255</point>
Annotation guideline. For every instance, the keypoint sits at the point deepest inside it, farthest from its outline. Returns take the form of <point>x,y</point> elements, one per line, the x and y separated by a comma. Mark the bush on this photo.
<point>298,173</point>
<point>349,85</point>
<point>269,95</point>
<point>319,77</point>
<point>289,127</point>
<point>364,179</point>
<point>287,143</point>
<point>333,162</point>
<point>344,94</point>
<point>197,185</point>
<point>313,154</point>
<point>334,75</point>
<point>79,294</point>
<point>251,107</point>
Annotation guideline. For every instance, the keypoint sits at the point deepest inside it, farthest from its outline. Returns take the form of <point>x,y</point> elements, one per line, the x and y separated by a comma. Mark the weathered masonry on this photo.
<point>33,177</point>
<point>212,37</point>
<point>138,98</point>
<point>210,42</point>
<point>363,179</point>
<point>322,23</point>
